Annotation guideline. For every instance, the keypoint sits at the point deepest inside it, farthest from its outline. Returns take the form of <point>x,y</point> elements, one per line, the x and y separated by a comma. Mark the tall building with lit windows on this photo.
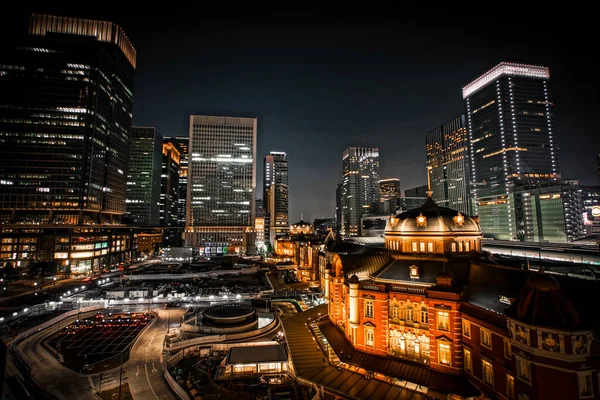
<point>510,121</point>
<point>169,185</point>
<point>66,100</point>
<point>221,184</point>
<point>360,187</point>
<point>276,201</point>
<point>448,165</point>
<point>181,143</point>
<point>389,191</point>
<point>144,176</point>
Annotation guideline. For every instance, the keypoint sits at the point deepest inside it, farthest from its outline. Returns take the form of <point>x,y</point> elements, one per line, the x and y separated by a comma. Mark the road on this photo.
<point>52,291</point>
<point>145,366</point>
<point>50,374</point>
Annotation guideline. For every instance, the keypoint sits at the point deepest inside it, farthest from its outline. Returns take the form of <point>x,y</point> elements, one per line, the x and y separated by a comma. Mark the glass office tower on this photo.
<point>276,204</point>
<point>181,143</point>
<point>510,120</point>
<point>221,184</point>
<point>360,187</point>
<point>144,176</point>
<point>66,100</point>
<point>448,165</point>
<point>169,186</point>
<point>389,192</point>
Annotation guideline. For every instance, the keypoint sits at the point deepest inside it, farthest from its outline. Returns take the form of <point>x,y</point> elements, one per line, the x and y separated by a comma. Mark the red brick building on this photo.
<point>431,296</point>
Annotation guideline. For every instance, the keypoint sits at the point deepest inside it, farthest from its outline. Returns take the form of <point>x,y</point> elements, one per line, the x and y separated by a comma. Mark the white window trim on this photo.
<point>439,346</point>
<point>466,323</point>
<point>465,350</point>
<point>508,345</point>
<point>580,375</point>
<point>517,372</point>
<point>481,330</point>
<point>483,362</point>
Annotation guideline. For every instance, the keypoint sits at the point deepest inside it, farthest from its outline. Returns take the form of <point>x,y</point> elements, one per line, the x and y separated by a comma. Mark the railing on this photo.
<point>175,387</point>
<point>408,289</point>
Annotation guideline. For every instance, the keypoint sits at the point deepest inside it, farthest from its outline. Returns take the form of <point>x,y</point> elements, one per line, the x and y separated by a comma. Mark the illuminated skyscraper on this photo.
<point>276,201</point>
<point>221,184</point>
<point>169,186</point>
<point>143,177</point>
<point>389,191</point>
<point>510,121</point>
<point>181,143</point>
<point>448,165</point>
<point>66,100</point>
<point>360,187</point>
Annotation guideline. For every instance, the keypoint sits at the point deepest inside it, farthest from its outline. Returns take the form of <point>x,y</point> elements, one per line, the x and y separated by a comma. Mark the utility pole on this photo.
<point>121,376</point>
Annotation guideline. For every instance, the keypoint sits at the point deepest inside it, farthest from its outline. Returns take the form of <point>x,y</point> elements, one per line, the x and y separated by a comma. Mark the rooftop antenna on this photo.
<point>301,219</point>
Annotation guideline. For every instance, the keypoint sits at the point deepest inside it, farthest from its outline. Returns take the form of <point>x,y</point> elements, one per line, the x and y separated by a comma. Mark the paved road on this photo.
<point>50,374</point>
<point>145,366</point>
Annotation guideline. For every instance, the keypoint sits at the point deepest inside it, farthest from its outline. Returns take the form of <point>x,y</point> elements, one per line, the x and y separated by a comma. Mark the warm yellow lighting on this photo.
<point>421,220</point>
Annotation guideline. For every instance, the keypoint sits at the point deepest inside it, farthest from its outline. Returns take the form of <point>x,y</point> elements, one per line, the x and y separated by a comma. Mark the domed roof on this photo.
<point>544,282</point>
<point>432,218</point>
<point>542,303</point>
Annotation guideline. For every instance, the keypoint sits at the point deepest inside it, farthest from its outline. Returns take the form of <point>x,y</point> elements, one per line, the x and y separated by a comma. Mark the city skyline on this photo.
<point>381,85</point>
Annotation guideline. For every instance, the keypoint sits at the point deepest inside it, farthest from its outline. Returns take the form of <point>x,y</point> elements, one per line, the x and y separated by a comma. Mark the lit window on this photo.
<point>422,247</point>
<point>466,246</point>
<point>414,272</point>
<point>370,336</point>
<point>586,388</point>
<point>468,361</point>
<point>485,338</point>
<point>414,247</point>
<point>460,247</point>
<point>487,372</point>
<point>369,308</point>
<point>402,311</point>
<point>443,320</point>
<point>524,369</point>
<point>453,246</point>
<point>507,349</point>
<point>430,247</point>
<point>466,325</point>
<point>409,313</point>
<point>444,353</point>
<point>510,387</point>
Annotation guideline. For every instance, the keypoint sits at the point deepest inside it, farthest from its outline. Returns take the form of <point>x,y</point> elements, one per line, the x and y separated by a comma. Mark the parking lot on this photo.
<point>100,343</point>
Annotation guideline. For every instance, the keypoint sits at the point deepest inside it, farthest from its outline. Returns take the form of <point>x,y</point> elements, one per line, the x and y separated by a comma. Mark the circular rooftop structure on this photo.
<point>544,282</point>
<point>228,314</point>
<point>432,219</point>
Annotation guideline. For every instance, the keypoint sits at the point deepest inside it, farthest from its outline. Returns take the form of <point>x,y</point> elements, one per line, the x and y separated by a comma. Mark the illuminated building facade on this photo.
<point>389,192</point>
<point>510,120</point>
<point>181,143</point>
<point>276,201</point>
<point>551,212</point>
<point>148,240</point>
<point>408,203</point>
<point>66,98</point>
<point>360,188</point>
<point>144,176</point>
<point>590,197</point>
<point>434,305</point>
<point>448,164</point>
<point>221,184</point>
<point>169,186</point>
<point>374,226</point>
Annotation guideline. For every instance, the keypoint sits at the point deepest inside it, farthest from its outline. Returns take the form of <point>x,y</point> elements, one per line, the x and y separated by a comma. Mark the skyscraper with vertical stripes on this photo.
<point>510,121</point>
<point>221,184</point>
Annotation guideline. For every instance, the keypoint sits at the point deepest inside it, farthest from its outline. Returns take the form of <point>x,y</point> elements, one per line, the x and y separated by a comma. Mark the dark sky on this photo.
<point>321,84</point>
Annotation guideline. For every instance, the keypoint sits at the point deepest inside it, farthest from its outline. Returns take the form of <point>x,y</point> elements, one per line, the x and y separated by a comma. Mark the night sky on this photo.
<point>320,84</point>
